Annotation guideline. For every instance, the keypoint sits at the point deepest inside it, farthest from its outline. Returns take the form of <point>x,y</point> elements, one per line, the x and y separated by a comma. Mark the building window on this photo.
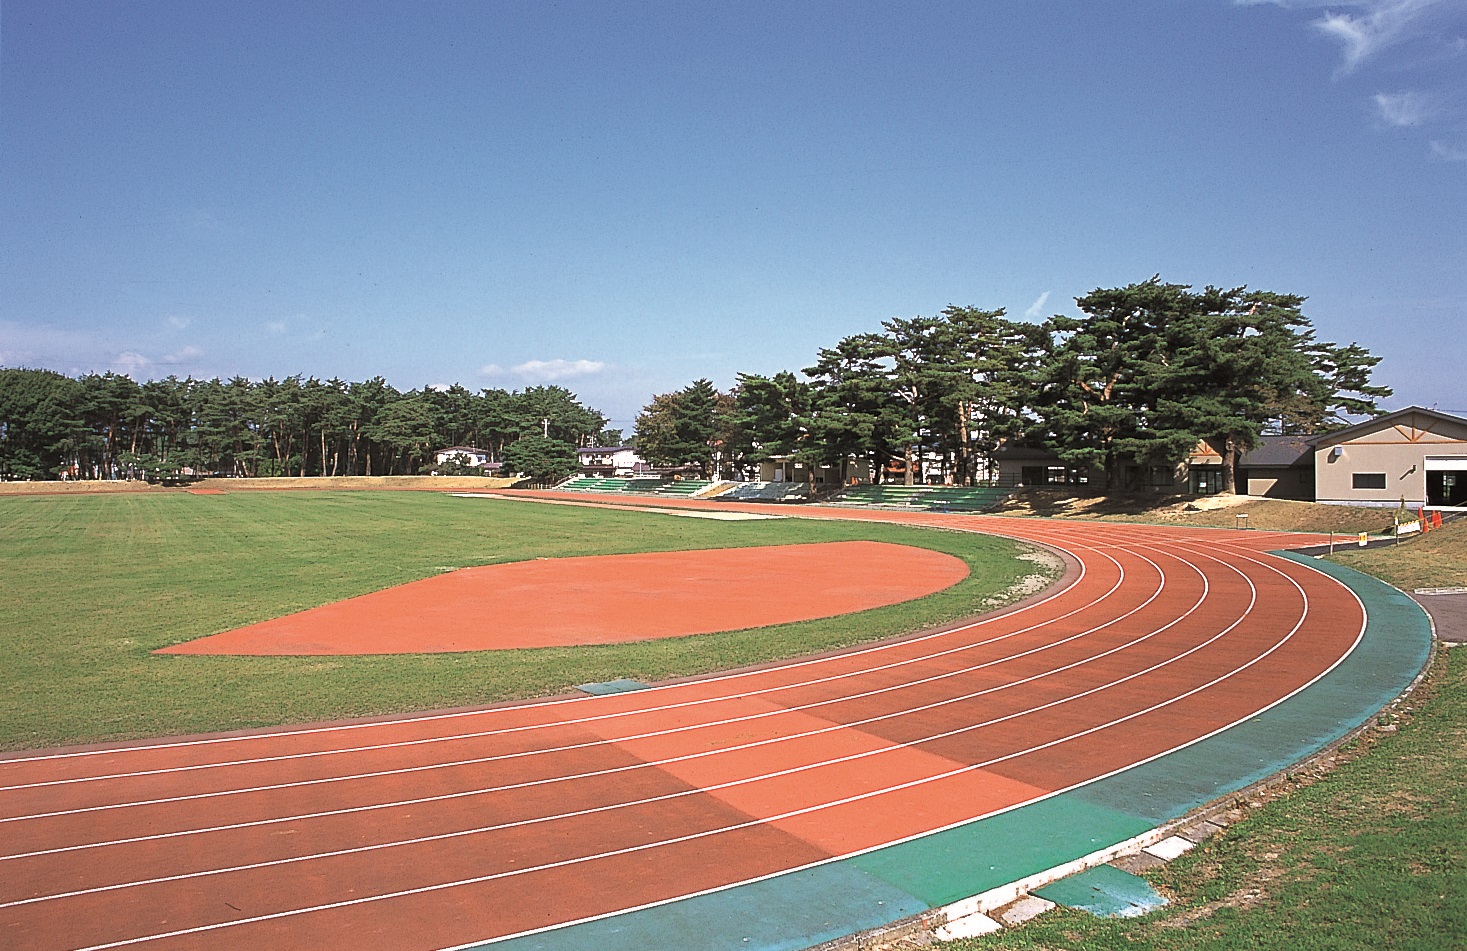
<point>1206,480</point>
<point>1367,480</point>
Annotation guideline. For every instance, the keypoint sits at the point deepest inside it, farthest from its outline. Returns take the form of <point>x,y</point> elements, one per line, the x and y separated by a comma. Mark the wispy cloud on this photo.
<point>1448,152</point>
<point>179,323</point>
<point>545,371</point>
<point>134,363</point>
<point>1425,39</point>
<point>184,355</point>
<point>1036,309</point>
<point>276,327</point>
<point>1366,28</point>
<point>131,363</point>
<point>29,345</point>
<point>1381,24</point>
<point>1403,108</point>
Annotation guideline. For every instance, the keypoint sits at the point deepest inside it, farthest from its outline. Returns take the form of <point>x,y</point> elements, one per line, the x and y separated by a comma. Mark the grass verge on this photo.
<point>1437,559</point>
<point>96,582</point>
<point>1212,511</point>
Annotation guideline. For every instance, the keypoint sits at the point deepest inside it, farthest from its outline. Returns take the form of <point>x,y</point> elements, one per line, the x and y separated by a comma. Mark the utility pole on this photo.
<point>545,427</point>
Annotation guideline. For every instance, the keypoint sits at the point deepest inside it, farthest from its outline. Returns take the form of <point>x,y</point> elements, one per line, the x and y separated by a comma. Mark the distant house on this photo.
<point>465,456</point>
<point>1031,466</point>
<point>1415,454</point>
<point>1279,467</point>
<point>604,461</point>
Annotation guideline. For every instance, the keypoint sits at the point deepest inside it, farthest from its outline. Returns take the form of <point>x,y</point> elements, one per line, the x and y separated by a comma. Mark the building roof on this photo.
<point>588,449</point>
<point>1380,422</point>
<point>1279,451</point>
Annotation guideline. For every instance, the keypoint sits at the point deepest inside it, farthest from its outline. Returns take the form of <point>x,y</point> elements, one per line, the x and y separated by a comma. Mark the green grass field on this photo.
<point>93,583</point>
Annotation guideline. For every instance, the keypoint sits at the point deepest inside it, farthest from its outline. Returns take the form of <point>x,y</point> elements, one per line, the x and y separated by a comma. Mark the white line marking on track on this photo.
<point>560,702</point>
<point>635,712</point>
<point>725,829</point>
<point>836,727</point>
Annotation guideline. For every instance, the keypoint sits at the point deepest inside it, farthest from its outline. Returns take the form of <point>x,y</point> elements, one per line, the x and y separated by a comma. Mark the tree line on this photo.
<point>108,426</point>
<point>1136,381</point>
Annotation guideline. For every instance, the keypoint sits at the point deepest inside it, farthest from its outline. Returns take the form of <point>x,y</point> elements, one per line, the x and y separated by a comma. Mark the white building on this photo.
<point>463,456</point>
<point>603,461</point>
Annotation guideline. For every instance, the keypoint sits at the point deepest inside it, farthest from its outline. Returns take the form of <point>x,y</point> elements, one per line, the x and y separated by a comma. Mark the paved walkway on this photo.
<point>1449,614</point>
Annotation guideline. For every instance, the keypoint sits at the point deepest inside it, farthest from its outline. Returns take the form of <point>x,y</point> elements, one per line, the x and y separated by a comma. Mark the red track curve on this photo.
<point>444,830</point>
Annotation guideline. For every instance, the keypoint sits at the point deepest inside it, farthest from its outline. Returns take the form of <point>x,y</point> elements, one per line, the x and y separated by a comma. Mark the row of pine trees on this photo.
<point>109,426</point>
<point>1135,382</point>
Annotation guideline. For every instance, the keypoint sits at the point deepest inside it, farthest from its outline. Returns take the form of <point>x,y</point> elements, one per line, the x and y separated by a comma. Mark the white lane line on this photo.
<point>605,742</point>
<point>717,678</point>
<point>729,828</point>
<point>652,763</point>
<point>1360,634</point>
<point>636,711</point>
<point>692,756</point>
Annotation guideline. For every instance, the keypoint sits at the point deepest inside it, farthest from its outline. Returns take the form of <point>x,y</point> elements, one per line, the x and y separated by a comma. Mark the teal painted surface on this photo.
<point>781,914</point>
<point>613,686</point>
<point>972,858</point>
<point>805,908</point>
<point>1104,891</point>
<point>1395,648</point>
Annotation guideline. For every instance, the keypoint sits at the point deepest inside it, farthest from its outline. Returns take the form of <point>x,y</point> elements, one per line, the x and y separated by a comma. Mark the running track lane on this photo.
<point>445,830</point>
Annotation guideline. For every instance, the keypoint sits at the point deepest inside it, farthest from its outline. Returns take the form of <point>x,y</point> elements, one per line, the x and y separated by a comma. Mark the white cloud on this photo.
<point>1448,152</point>
<point>77,353</point>
<point>140,365</point>
<point>29,345</point>
<point>1036,309</point>
<point>546,371</point>
<point>1373,26</point>
<point>1403,108</point>
<point>184,354</point>
<point>276,327</point>
<point>179,323</point>
<point>1425,39</point>
<point>1383,23</point>
<point>130,362</point>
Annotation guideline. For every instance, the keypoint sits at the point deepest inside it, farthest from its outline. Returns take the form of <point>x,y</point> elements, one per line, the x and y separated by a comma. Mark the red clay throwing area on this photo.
<point>602,600</point>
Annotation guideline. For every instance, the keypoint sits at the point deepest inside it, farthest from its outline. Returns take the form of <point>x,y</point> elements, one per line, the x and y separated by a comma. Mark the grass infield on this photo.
<point>93,583</point>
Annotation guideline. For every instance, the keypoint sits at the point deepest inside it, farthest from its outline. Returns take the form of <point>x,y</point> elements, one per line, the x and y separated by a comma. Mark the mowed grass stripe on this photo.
<point>93,584</point>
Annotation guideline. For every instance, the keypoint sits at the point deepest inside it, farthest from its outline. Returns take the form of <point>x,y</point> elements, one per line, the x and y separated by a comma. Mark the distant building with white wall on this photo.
<point>604,461</point>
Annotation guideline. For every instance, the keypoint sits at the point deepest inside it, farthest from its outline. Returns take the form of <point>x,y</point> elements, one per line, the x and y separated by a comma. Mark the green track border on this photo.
<point>804,908</point>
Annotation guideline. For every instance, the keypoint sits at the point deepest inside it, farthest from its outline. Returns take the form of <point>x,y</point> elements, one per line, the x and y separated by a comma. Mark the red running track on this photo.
<point>443,830</point>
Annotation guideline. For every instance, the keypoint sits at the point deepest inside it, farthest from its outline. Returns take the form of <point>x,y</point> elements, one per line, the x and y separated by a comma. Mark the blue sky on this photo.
<point>621,198</point>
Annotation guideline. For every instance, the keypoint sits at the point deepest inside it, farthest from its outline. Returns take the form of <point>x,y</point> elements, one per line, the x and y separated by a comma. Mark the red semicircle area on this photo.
<point>601,600</point>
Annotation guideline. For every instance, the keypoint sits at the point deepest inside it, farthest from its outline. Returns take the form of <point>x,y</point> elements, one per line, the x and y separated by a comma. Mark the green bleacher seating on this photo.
<point>939,498</point>
<point>683,487</point>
